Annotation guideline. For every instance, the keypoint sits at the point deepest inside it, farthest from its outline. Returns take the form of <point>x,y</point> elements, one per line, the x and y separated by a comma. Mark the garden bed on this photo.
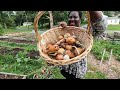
<point>14,51</point>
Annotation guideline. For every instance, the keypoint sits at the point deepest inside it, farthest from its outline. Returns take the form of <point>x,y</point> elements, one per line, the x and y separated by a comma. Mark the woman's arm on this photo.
<point>98,22</point>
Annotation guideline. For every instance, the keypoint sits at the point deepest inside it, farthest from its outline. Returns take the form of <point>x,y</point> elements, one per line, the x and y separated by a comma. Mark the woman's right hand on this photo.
<point>63,24</point>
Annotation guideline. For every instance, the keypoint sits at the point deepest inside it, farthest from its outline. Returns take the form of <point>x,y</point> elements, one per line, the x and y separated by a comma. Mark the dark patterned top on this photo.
<point>79,69</point>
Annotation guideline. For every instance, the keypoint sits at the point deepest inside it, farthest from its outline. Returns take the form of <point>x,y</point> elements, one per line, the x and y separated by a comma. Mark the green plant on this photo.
<point>100,45</point>
<point>98,49</point>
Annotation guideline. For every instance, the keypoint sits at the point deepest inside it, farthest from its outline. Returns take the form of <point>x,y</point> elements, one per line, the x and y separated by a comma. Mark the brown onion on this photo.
<point>60,37</point>
<point>70,40</point>
<point>59,57</point>
<point>68,47</point>
<point>69,53</point>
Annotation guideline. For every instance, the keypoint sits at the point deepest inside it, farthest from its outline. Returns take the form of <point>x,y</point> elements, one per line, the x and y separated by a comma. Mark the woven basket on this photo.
<point>51,36</point>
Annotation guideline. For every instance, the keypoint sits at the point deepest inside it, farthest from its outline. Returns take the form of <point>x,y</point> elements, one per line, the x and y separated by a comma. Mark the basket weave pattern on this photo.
<point>51,36</point>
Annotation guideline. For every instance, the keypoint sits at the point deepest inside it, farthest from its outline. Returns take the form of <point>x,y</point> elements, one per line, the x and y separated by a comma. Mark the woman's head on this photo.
<point>74,18</point>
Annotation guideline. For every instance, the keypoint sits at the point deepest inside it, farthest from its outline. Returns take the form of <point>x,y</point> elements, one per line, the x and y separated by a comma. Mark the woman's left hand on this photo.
<point>63,24</point>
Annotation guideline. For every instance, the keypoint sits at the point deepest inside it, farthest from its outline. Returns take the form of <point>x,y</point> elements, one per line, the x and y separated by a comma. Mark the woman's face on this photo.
<point>74,19</point>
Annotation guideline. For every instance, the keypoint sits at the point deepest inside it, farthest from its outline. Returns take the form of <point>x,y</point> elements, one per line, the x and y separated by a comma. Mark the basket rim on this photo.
<point>51,29</point>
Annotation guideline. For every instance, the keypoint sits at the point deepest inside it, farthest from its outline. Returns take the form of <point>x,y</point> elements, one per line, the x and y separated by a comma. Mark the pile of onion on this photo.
<point>67,47</point>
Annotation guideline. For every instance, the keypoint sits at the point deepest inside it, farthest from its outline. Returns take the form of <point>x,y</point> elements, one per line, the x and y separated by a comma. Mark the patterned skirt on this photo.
<point>78,69</point>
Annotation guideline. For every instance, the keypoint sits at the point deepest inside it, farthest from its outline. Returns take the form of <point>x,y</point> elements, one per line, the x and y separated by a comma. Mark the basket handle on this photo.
<point>38,16</point>
<point>40,13</point>
<point>89,24</point>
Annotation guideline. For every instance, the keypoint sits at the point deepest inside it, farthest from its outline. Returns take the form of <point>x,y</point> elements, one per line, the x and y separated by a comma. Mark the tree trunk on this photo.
<point>51,19</point>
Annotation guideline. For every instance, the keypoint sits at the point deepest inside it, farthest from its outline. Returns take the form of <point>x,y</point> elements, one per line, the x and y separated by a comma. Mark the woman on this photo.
<point>99,24</point>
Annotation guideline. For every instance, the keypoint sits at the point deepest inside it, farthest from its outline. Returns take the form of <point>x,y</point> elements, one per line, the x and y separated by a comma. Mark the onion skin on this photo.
<point>61,50</point>
<point>70,40</point>
<point>68,47</point>
<point>81,50</point>
<point>60,37</point>
<point>66,57</point>
<point>49,45</point>
<point>67,35</point>
<point>69,53</point>
<point>53,48</point>
<point>59,57</point>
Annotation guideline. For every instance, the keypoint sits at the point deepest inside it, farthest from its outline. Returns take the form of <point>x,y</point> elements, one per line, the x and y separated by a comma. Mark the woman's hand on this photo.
<point>63,24</point>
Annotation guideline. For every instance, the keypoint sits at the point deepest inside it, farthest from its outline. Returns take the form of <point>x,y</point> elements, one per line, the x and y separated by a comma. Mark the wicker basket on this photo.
<point>51,35</point>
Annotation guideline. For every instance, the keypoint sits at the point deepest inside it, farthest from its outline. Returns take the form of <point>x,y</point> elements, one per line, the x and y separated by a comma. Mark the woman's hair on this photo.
<point>80,14</point>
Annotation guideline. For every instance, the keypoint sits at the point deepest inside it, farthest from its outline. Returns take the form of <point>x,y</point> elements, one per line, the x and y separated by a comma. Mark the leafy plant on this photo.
<point>100,45</point>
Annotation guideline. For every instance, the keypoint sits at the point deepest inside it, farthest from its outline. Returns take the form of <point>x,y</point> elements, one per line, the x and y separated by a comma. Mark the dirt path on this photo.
<point>111,71</point>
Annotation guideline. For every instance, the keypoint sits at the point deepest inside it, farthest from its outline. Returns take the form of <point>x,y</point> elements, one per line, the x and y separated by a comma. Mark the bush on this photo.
<point>1,30</point>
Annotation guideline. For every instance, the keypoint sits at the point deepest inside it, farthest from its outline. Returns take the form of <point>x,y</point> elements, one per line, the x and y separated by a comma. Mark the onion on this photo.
<point>49,45</point>
<point>61,50</point>
<point>69,53</point>
<point>68,47</point>
<point>70,40</point>
<point>53,48</point>
<point>67,35</point>
<point>81,50</point>
<point>60,37</point>
<point>66,57</point>
<point>59,57</point>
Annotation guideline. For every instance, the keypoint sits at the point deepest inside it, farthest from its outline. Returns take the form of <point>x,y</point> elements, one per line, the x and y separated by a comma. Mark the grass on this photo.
<point>113,27</point>
<point>19,64</point>
<point>7,31</point>
<point>95,75</point>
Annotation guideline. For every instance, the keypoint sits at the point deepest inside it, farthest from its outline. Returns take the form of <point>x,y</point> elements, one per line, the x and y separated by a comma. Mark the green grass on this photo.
<point>19,64</point>
<point>95,75</point>
<point>113,27</point>
<point>7,31</point>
